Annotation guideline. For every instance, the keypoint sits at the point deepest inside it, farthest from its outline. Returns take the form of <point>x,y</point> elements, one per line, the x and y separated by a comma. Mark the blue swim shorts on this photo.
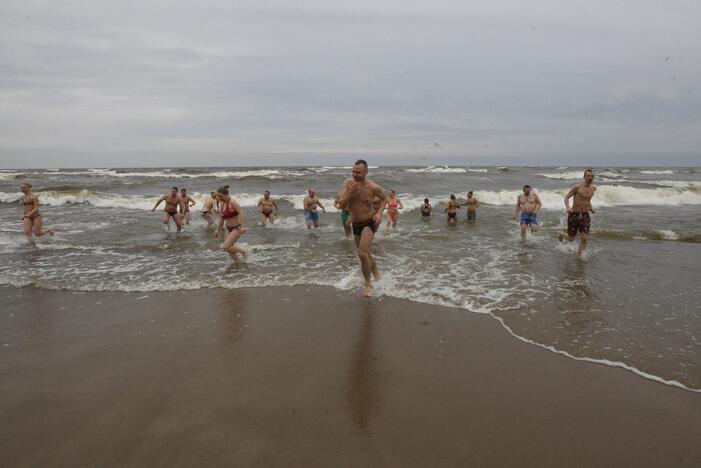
<point>529,218</point>
<point>311,215</point>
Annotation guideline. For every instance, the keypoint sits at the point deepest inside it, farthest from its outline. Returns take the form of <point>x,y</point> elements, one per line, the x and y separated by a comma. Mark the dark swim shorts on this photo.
<point>578,222</point>
<point>358,227</point>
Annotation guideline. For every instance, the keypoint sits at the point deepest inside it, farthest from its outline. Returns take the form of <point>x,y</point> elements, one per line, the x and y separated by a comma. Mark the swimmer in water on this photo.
<point>358,194</point>
<point>186,202</point>
<point>208,209</point>
<point>267,206</point>
<point>426,209</point>
<point>578,219</point>
<point>394,204</point>
<point>345,217</point>
<point>452,209</point>
<point>311,212</point>
<point>172,201</point>
<point>528,203</point>
<point>32,220</point>
<point>233,218</point>
<point>472,203</point>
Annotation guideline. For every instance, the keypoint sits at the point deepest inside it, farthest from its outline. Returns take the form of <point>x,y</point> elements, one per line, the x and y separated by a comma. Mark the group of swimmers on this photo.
<point>362,203</point>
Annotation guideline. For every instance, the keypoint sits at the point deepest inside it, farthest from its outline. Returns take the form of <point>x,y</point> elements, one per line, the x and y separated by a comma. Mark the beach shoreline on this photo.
<point>311,376</point>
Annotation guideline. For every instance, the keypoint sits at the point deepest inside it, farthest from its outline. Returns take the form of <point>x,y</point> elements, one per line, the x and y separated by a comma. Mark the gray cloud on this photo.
<point>199,83</point>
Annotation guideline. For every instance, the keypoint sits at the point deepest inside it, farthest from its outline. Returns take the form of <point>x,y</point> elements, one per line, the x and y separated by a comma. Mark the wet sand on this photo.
<point>309,376</point>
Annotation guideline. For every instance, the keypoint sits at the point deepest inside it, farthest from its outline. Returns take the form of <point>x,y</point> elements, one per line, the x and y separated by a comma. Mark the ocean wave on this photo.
<point>578,175</point>
<point>606,195</point>
<point>169,174</point>
<point>444,170</point>
<point>659,172</point>
<point>10,175</point>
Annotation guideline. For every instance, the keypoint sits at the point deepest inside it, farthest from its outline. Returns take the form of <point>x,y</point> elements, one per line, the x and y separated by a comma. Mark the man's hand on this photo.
<point>243,229</point>
<point>216,233</point>
<point>377,219</point>
<point>152,210</point>
<point>593,211</point>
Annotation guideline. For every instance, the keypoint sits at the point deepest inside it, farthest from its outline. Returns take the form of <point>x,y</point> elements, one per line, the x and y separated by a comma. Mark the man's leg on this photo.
<point>534,228</point>
<point>166,220</point>
<point>523,231</point>
<point>364,242</point>
<point>178,221</point>
<point>583,238</point>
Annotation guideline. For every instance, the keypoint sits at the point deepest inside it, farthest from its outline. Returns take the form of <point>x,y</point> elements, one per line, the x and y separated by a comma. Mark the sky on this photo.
<point>233,83</point>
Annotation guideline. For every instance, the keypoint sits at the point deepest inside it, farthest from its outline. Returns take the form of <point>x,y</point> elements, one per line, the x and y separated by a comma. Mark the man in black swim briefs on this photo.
<point>358,194</point>
<point>171,209</point>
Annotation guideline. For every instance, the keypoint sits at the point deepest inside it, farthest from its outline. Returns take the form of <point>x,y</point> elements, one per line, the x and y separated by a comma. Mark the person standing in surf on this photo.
<point>578,219</point>
<point>234,219</point>
<point>311,212</point>
<point>172,201</point>
<point>267,206</point>
<point>394,204</point>
<point>32,220</point>
<point>452,209</point>
<point>345,217</point>
<point>472,203</point>
<point>426,209</point>
<point>186,202</point>
<point>528,203</point>
<point>208,208</point>
<point>358,193</point>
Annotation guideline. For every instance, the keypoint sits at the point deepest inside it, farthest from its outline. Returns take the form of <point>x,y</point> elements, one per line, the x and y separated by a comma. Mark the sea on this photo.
<point>633,301</point>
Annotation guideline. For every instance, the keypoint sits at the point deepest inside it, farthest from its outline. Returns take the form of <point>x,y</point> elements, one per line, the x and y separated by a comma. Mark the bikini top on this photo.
<point>393,203</point>
<point>227,212</point>
<point>26,201</point>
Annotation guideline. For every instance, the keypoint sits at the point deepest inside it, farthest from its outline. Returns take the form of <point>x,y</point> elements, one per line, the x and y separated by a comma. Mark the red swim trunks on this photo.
<point>578,222</point>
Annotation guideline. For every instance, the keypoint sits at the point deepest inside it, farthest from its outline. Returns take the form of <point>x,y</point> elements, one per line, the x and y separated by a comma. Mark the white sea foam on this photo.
<point>9,175</point>
<point>577,175</point>
<point>264,173</point>
<point>444,170</point>
<point>667,234</point>
<point>661,172</point>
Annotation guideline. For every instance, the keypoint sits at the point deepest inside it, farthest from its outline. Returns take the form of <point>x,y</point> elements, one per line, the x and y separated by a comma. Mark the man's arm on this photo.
<point>518,206</point>
<point>306,203</point>
<point>158,203</point>
<point>538,203</point>
<point>318,202</point>
<point>477,203</point>
<point>192,201</point>
<point>275,206</point>
<point>569,195</point>
<point>260,205</point>
<point>345,193</point>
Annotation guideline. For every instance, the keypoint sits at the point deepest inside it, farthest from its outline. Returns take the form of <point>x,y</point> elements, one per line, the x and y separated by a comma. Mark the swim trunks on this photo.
<point>452,216</point>
<point>311,215</point>
<point>344,216</point>
<point>471,215</point>
<point>578,222</point>
<point>529,218</point>
<point>358,227</point>
<point>425,214</point>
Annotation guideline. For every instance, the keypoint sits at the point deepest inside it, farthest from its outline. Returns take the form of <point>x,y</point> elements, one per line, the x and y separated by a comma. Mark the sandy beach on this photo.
<point>309,376</point>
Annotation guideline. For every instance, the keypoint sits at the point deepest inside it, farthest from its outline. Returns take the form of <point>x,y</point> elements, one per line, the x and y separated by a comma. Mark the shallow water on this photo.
<point>634,299</point>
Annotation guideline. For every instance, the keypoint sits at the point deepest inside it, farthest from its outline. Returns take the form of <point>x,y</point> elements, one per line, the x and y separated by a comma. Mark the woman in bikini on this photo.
<point>208,208</point>
<point>233,217</point>
<point>32,219</point>
<point>394,204</point>
<point>452,209</point>
<point>426,209</point>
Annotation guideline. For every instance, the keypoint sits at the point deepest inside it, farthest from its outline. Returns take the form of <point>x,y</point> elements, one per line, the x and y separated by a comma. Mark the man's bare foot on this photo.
<point>367,292</point>
<point>246,254</point>
<point>561,237</point>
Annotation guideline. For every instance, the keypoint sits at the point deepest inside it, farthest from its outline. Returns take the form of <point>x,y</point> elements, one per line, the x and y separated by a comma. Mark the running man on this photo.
<point>186,202</point>
<point>32,220</point>
<point>172,200</point>
<point>528,203</point>
<point>578,219</point>
<point>311,213</point>
<point>345,216</point>
<point>208,208</point>
<point>358,194</point>
<point>394,204</point>
<point>472,203</point>
<point>452,209</point>
<point>426,209</point>
<point>267,206</point>
<point>235,219</point>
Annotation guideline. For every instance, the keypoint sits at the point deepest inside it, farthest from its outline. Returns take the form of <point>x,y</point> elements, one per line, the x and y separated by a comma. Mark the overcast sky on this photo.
<point>197,83</point>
